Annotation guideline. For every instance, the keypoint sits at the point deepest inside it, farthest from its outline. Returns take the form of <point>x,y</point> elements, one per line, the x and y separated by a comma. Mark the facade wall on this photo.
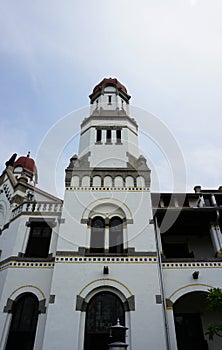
<point>80,205</point>
<point>117,152</point>
<point>124,279</point>
<point>17,280</point>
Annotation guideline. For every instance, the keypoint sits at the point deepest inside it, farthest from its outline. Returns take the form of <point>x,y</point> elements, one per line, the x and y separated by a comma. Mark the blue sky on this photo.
<point>168,53</point>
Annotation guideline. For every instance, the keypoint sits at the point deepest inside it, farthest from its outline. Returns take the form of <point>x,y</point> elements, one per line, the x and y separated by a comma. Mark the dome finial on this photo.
<point>28,154</point>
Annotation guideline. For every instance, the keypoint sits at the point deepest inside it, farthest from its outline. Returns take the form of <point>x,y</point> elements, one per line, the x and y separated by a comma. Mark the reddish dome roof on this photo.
<point>106,81</point>
<point>27,163</point>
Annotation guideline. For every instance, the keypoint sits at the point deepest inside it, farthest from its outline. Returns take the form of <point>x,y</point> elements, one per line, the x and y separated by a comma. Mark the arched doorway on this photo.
<point>103,311</point>
<point>24,322</point>
<point>190,317</point>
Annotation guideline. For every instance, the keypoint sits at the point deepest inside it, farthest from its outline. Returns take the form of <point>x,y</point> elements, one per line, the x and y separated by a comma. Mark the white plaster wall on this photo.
<point>74,234</point>
<point>43,197</point>
<point>18,281</point>
<point>15,238</point>
<point>144,333</point>
<point>178,282</point>
<point>113,155</point>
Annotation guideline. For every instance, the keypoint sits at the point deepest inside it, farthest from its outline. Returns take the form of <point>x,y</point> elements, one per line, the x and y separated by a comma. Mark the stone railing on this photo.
<point>37,208</point>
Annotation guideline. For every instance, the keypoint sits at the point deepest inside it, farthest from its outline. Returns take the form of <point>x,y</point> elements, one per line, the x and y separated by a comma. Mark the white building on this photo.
<point>70,269</point>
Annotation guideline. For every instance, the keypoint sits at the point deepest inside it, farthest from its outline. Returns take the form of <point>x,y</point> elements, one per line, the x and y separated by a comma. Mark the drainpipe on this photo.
<point>162,287</point>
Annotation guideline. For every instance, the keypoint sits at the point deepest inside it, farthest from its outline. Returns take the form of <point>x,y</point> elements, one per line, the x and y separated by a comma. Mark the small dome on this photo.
<point>26,163</point>
<point>107,81</point>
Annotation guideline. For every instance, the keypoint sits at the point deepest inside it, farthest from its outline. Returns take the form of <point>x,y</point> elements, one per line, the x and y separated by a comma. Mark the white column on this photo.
<point>40,332</point>
<point>5,330</point>
<point>216,238</point>
<point>125,241</point>
<point>81,330</point>
<point>26,237</point>
<point>114,136</point>
<point>171,328</point>
<point>88,236</point>
<point>106,237</point>
<point>213,200</point>
<point>103,136</point>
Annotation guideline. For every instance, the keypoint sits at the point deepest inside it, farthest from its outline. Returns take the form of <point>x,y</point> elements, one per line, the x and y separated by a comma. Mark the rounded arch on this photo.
<point>178,293</point>
<point>24,321</point>
<point>102,205</point>
<point>85,181</point>
<point>191,317</point>
<point>103,310</point>
<point>75,181</point>
<point>108,284</point>
<point>108,181</point>
<point>140,181</point>
<point>129,181</point>
<point>24,294</point>
<point>118,181</point>
<point>27,289</point>
<point>107,211</point>
<point>97,180</point>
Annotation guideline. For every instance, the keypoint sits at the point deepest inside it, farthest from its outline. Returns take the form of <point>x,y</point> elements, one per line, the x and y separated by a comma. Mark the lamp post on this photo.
<point>118,333</point>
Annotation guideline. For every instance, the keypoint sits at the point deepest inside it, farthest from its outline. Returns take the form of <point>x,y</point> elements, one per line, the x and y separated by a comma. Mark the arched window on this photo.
<point>24,321</point>
<point>116,235</point>
<point>102,312</point>
<point>97,235</point>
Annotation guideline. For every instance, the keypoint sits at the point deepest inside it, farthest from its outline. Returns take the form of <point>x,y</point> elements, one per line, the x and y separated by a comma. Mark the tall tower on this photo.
<point>106,261</point>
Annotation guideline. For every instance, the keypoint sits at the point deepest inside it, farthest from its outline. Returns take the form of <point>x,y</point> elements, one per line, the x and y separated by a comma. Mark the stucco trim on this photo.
<point>105,284</point>
<point>118,203</point>
<point>27,289</point>
<point>198,287</point>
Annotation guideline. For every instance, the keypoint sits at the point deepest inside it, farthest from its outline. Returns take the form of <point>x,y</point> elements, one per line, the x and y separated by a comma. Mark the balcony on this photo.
<point>39,208</point>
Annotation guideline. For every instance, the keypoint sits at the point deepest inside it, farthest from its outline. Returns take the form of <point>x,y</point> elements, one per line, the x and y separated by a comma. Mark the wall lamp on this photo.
<point>195,275</point>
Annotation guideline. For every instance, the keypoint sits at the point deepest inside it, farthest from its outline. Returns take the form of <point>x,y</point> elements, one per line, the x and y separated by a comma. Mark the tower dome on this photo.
<point>108,81</point>
<point>109,94</point>
<point>26,165</point>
